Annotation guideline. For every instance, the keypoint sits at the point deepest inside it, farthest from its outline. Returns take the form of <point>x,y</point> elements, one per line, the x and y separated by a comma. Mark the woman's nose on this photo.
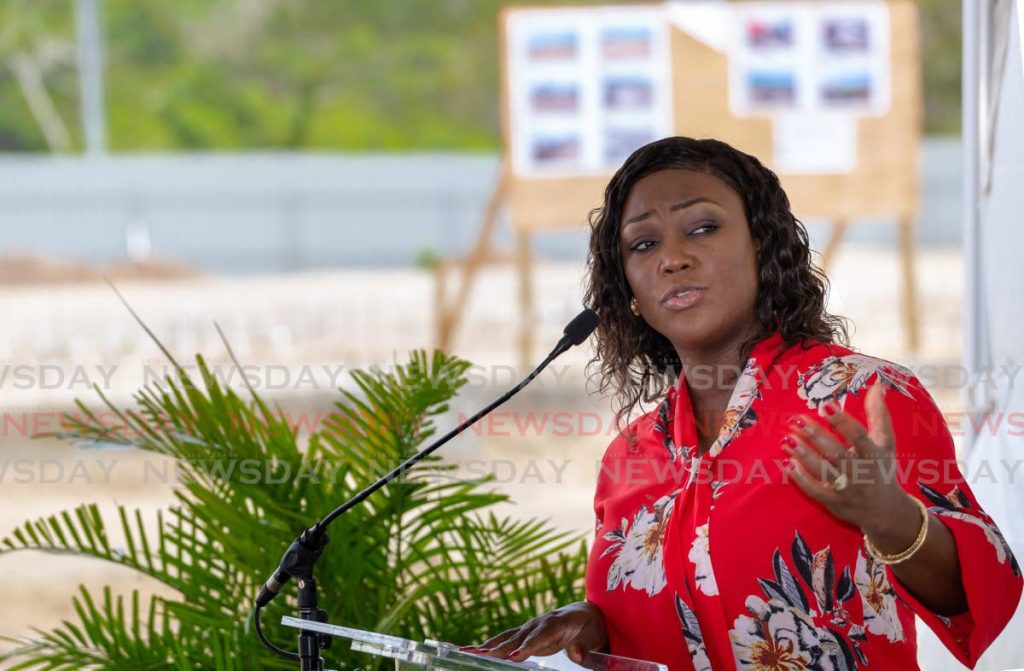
<point>675,257</point>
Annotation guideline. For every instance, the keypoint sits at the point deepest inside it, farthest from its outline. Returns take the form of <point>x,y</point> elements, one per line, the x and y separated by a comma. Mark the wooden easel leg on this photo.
<point>835,238</point>
<point>909,307</point>
<point>442,330</point>
<point>524,262</point>
<point>450,315</point>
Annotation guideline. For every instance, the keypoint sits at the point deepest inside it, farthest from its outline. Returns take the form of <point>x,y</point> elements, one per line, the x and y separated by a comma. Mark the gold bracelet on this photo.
<point>889,560</point>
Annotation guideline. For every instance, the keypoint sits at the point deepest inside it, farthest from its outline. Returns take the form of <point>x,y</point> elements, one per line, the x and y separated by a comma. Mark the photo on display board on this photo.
<point>631,93</point>
<point>619,143</point>
<point>553,46</point>
<point>585,87</point>
<point>555,150</point>
<point>850,35</point>
<point>829,57</point>
<point>626,43</point>
<point>772,88</point>
<point>764,35</point>
<point>846,88</point>
<point>554,98</point>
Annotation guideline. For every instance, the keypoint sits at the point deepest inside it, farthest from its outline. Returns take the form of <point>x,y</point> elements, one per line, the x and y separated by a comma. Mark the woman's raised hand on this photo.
<point>577,628</point>
<point>859,483</point>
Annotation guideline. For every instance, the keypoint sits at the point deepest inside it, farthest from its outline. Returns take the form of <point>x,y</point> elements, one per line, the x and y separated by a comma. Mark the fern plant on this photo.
<point>424,557</point>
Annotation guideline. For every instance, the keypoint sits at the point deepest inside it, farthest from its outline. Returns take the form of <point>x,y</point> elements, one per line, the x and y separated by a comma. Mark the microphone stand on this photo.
<point>301,556</point>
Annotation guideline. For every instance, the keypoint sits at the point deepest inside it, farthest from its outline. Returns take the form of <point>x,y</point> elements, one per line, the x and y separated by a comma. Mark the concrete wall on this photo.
<point>265,212</point>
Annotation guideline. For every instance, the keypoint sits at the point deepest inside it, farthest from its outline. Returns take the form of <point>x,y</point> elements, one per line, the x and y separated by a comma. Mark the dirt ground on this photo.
<point>316,323</point>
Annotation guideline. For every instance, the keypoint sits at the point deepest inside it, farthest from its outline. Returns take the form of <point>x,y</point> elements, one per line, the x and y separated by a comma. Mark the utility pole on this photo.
<point>90,75</point>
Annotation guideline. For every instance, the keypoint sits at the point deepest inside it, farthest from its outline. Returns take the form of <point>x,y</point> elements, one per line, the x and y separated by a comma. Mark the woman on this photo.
<point>790,504</point>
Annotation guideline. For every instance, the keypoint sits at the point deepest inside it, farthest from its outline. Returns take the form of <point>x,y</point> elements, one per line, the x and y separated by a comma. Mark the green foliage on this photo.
<point>424,557</point>
<point>39,32</point>
<point>345,74</point>
<point>427,258</point>
<point>941,51</point>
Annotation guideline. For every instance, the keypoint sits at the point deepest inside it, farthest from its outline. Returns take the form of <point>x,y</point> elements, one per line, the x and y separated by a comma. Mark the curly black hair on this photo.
<point>639,364</point>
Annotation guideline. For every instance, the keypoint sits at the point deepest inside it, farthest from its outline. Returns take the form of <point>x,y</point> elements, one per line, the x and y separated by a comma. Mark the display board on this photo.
<point>826,93</point>
<point>783,79</point>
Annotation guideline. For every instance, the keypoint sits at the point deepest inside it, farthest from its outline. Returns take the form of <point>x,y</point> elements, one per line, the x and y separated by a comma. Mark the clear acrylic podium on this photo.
<point>447,657</point>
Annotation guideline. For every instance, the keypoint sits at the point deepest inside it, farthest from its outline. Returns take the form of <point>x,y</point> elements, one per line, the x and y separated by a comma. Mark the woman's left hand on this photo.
<point>859,483</point>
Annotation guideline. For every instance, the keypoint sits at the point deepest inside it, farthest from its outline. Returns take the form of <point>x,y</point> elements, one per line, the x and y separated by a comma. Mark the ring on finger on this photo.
<point>838,483</point>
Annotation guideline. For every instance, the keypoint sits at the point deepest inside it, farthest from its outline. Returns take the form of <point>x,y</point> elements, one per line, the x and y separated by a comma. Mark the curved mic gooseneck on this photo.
<point>301,556</point>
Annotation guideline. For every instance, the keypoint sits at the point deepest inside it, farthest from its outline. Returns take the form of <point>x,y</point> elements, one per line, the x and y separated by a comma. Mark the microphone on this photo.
<point>302,554</point>
<point>576,331</point>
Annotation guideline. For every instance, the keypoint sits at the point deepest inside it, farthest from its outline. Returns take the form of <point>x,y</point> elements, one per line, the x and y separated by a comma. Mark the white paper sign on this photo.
<point>709,21</point>
<point>814,142</point>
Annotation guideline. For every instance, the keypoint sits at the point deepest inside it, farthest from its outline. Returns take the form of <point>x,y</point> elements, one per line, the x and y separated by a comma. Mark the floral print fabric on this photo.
<point>716,562</point>
<point>636,548</point>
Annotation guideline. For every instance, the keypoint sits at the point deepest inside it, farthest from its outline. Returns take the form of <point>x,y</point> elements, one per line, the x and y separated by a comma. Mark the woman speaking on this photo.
<point>790,503</point>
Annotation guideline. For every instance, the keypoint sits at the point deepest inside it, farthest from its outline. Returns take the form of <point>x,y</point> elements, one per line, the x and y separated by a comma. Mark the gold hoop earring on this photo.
<point>633,307</point>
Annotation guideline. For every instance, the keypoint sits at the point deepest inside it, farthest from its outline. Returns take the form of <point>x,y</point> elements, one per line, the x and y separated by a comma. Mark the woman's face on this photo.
<point>690,260</point>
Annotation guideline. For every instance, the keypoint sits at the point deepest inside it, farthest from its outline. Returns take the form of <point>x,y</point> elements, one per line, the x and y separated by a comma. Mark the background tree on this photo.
<point>346,74</point>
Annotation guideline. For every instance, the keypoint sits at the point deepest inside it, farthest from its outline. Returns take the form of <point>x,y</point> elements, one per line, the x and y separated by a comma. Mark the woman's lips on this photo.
<point>684,300</point>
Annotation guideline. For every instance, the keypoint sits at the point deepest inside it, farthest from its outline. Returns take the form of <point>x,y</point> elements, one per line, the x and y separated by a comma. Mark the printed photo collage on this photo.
<point>810,56</point>
<point>586,88</point>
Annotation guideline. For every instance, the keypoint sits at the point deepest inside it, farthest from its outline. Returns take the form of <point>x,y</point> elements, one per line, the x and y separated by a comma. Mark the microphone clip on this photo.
<point>301,556</point>
<point>298,562</point>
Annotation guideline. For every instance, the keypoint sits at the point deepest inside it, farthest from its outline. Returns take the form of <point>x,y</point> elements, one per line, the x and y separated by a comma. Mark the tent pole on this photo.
<point>973,106</point>
<point>90,75</point>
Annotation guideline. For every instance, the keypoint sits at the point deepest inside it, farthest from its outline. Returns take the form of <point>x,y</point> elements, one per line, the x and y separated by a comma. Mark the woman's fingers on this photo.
<point>811,460</point>
<point>512,643</point>
<point>576,653</point>
<point>819,438</point>
<point>852,431</point>
<point>811,485</point>
<point>538,643</point>
<point>522,644</point>
<point>495,641</point>
<point>572,627</point>
<point>500,638</point>
<point>879,420</point>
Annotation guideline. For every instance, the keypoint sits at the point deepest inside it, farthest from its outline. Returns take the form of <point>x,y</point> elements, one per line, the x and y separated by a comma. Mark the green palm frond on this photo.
<point>82,531</point>
<point>106,636</point>
<point>423,557</point>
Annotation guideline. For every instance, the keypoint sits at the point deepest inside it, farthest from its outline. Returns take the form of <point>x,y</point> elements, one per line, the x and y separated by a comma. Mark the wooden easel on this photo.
<point>449,312</point>
<point>884,183</point>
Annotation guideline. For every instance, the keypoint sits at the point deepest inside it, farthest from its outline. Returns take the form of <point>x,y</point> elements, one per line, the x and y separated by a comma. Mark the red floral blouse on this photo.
<point>720,562</point>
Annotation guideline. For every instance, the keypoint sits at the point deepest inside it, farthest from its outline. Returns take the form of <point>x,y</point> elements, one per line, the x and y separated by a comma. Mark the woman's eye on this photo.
<point>641,245</point>
<point>705,228</point>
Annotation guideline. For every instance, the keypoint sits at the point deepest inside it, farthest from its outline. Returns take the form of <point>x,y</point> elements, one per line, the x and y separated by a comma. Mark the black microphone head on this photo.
<point>582,325</point>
